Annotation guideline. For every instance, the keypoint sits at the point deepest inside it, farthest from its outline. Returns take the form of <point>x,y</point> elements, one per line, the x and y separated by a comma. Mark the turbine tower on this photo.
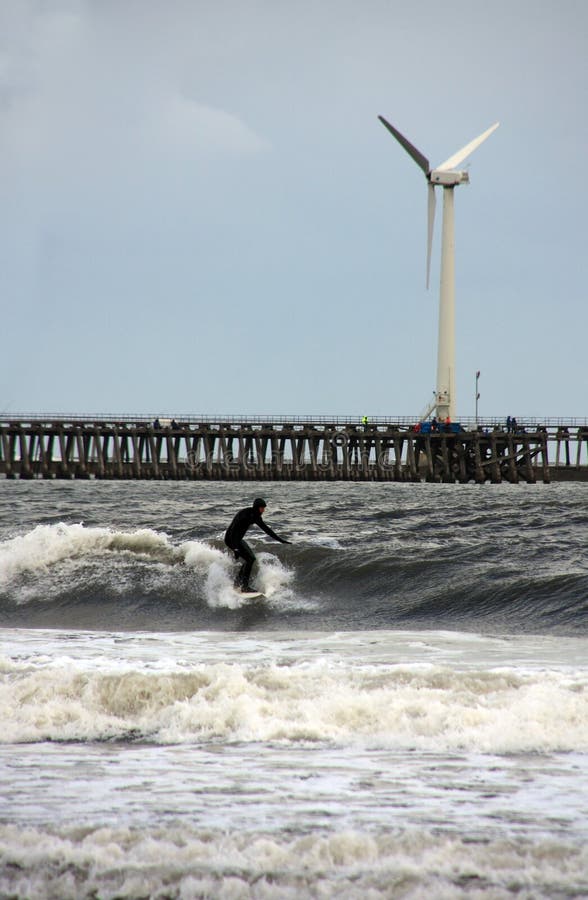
<point>446,176</point>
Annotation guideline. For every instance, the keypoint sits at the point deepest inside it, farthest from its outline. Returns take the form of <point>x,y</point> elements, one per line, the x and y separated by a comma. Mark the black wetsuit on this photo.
<point>236,531</point>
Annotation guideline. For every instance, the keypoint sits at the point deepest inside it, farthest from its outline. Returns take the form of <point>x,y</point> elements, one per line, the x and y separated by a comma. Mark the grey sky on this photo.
<point>202,213</point>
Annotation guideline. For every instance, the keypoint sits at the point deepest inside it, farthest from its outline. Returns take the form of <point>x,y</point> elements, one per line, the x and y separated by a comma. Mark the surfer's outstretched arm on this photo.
<point>271,533</point>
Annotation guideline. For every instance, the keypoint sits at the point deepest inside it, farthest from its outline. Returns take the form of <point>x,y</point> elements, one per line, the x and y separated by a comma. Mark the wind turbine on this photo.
<point>448,178</point>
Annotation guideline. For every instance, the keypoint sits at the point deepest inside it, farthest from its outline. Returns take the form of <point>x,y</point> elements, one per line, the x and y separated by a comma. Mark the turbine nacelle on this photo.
<point>448,178</point>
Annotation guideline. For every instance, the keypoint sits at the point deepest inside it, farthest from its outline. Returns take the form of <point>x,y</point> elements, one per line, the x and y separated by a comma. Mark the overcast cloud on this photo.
<point>202,214</point>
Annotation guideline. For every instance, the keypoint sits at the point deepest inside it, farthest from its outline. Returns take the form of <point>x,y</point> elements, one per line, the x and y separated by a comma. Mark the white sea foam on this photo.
<point>184,862</point>
<point>218,569</point>
<point>214,567</point>
<point>415,706</point>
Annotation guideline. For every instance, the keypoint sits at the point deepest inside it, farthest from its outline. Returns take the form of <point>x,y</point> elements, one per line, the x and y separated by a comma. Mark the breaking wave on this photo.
<point>425,707</point>
<point>363,557</point>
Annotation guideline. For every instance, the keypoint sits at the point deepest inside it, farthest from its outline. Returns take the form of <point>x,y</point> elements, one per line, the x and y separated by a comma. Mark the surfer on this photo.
<point>236,531</point>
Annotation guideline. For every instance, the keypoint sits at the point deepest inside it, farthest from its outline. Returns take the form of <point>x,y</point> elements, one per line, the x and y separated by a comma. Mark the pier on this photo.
<point>291,449</point>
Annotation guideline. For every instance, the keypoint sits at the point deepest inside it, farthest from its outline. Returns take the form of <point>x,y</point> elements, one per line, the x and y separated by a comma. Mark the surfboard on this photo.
<point>251,595</point>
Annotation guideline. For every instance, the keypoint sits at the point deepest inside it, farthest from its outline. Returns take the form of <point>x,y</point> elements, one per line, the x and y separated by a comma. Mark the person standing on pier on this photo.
<point>235,533</point>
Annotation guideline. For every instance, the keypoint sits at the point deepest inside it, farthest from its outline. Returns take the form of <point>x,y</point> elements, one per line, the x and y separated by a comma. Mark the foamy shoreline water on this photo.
<point>337,696</point>
<point>248,765</point>
<point>181,863</point>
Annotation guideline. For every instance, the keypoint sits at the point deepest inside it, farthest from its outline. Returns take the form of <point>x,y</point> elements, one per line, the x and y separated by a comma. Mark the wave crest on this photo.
<point>46,545</point>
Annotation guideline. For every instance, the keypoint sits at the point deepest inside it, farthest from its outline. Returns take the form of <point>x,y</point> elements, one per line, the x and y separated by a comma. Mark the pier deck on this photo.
<point>250,449</point>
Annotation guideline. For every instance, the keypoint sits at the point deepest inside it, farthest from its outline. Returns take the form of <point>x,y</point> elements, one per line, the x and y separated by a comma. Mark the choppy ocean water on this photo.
<point>405,715</point>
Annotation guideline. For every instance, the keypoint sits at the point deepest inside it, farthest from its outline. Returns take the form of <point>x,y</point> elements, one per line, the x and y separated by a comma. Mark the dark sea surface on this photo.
<point>405,714</point>
<point>491,558</point>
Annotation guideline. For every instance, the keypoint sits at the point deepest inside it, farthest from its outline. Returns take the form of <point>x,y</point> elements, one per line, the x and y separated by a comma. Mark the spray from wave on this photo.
<point>47,545</point>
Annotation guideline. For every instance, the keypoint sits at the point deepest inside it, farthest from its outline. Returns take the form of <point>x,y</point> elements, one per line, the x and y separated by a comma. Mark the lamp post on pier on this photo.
<point>477,396</point>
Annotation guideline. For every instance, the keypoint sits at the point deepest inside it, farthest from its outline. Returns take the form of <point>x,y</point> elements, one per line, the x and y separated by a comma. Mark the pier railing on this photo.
<point>404,421</point>
<point>290,448</point>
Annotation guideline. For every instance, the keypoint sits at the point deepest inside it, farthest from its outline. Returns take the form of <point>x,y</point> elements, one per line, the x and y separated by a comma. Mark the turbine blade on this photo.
<point>418,157</point>
<point>430,226</point>
<point>459,157</point>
